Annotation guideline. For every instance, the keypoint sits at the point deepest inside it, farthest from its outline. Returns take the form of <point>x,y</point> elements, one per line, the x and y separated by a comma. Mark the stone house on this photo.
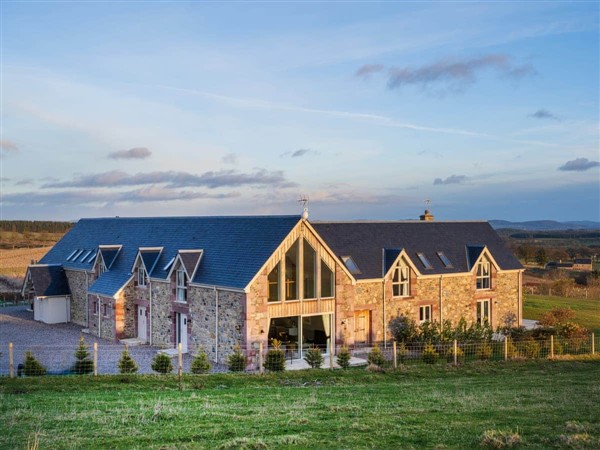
<point>217,282</point>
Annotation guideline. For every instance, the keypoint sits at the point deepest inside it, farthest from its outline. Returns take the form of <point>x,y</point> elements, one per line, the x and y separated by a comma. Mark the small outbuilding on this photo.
<point>47,288</point>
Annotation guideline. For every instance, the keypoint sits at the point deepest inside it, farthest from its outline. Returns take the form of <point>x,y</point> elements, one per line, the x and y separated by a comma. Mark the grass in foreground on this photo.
<point>587,310</point>
<point>532,404</point>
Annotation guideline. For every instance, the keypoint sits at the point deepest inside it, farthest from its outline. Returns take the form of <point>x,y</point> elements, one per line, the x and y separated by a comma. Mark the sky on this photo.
<point>475,110</point>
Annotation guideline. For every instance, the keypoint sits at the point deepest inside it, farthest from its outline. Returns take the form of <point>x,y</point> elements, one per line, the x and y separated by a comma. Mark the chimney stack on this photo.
<point>427,217</point>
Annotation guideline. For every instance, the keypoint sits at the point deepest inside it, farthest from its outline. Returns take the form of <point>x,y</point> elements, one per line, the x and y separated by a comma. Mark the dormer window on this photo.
<point>484,275</point>
<point>181,285</point>
<point>141,276</point>
<point>401,280</point>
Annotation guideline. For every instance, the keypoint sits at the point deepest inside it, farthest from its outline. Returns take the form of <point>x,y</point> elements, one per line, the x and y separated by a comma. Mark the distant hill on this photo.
<point>545,225</point>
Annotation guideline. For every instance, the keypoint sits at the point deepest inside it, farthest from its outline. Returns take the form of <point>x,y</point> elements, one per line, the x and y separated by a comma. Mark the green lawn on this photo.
<point>549,404</point>
<point>587,311</point>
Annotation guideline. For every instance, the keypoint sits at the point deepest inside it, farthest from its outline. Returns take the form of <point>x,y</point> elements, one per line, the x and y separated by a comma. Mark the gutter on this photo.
<point>150,314</point>
<point>441,297</point>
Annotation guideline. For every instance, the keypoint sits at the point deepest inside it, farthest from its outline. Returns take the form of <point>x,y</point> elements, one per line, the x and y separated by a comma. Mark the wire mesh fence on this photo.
<point>36,360</point>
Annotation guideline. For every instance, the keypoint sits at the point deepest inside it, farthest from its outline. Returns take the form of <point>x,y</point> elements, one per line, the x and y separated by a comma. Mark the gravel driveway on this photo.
<point>54,345</point>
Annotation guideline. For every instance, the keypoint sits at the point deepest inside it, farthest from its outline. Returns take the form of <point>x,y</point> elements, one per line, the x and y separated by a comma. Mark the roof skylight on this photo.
<point>85,255</point>
<point>91,258</point>
<point>424,260</point>
<point>71,255</point>
<point>351,265</point>
<point>169,264</point>
<point>78,254</point>
<point>445,260</point>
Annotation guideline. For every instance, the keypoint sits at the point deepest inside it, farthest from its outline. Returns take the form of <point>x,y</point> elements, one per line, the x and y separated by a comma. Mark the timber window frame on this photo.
<point>142,277</point>
<point>483,311</point>
<point>401,280</point>
<point>181,283</point>
<point>425,313</point>
<point>483,276</point>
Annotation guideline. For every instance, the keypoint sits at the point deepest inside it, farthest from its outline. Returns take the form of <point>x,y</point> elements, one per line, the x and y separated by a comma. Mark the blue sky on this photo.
<point>489,110</point>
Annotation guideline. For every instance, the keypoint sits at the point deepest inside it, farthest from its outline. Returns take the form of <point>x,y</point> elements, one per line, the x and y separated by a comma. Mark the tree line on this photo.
<point>34,226</point>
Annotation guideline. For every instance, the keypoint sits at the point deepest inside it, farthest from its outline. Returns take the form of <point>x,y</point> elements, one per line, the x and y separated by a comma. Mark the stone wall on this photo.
<point>203,316</point>
<point>125,313</point>
<point>161,316</point>
<point>78,286</point>
<point>104,326</point>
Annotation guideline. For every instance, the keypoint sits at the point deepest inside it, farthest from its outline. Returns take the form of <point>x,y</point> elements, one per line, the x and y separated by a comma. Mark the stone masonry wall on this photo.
<point>78,287</point>
<point>203,315</point>
<point>161,310</point>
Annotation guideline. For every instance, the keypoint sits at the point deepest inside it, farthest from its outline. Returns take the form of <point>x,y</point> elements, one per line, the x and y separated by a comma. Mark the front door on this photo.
<point>142,323</point>
<point>181,331</point>
<point>362,327</point>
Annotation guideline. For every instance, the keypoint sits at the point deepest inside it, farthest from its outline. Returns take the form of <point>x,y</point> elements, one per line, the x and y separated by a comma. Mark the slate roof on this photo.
<point>234,248</point>
<point>49,281</point>
<point>372,244</point>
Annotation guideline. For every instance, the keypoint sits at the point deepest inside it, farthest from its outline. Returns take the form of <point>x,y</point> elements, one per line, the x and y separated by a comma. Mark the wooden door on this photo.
<point>362,327</point>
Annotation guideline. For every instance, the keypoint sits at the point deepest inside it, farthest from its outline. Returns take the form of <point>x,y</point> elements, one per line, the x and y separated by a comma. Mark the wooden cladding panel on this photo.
<point>302,308</point>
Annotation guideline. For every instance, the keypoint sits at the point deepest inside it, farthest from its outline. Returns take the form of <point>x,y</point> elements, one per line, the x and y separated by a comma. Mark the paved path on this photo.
<point>54,345</point>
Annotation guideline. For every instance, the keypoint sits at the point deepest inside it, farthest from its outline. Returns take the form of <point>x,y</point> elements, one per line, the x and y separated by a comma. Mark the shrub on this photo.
<point>32,367</point>
<point>343,357</point>
<point>83,363</point>
<point>375,368</point>
<point>556,316</point>
<point>402,353</point>
<point>403,329</point>
<point>314,357</point>
<point>236,361</point>
<point>376,357</point>
<point>126,363</point>
<point>429,355</point>
<point>200,363</point>
<point>275,357</point>
<point>511,349</point>
<point>460,355</point>
<point>484,351</point>
<point>162,364</point>
<point>530,348</point>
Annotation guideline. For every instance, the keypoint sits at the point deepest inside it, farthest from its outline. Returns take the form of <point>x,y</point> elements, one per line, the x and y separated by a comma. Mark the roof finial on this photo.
<point>304,200</point>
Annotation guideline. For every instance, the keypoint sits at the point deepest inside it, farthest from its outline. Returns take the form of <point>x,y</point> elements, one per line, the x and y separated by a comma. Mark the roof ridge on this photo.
<point>264,216</point>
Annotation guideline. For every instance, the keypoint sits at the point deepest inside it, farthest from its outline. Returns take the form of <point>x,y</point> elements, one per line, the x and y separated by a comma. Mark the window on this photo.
<point>169,264</point>
<point>91,258</point>
<point>483,312</point>
<point>484,276</point>
<point>141,279</point>
<point>101,268</point>
<point>72,254</point>
<point>401,281</point>
<point>273,280</point>
<point>85,255</point>
<point>424,260</point>
<point>445,260</point>
<point>351,265</point>
<point>327,281</point>
<point>105,310</point>
<point>310,271</point>
<point>425,313</point>
<point>78,254</point>
<point>291,273</point>
<point>96,307</point>
<point>181,284</point>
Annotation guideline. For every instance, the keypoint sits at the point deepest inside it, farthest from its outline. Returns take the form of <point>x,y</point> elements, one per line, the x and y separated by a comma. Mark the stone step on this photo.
<point>132,342</point>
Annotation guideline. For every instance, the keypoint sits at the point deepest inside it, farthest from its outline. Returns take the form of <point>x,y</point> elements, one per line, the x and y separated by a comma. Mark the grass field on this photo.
<point>14,262</point>
<point>587,311</point>
<point>548,404</point>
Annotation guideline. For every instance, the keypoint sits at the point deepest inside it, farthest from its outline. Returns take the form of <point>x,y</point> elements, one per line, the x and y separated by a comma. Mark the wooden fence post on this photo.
<point>395,355</point>
<point>331,350</point>
<point>455,352</point>
<point>551,346</point>
<point>95,359</point>
<point>11,362</point>
<point>593,344</point>
<point>261,369</point>
<point>505,348</point>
